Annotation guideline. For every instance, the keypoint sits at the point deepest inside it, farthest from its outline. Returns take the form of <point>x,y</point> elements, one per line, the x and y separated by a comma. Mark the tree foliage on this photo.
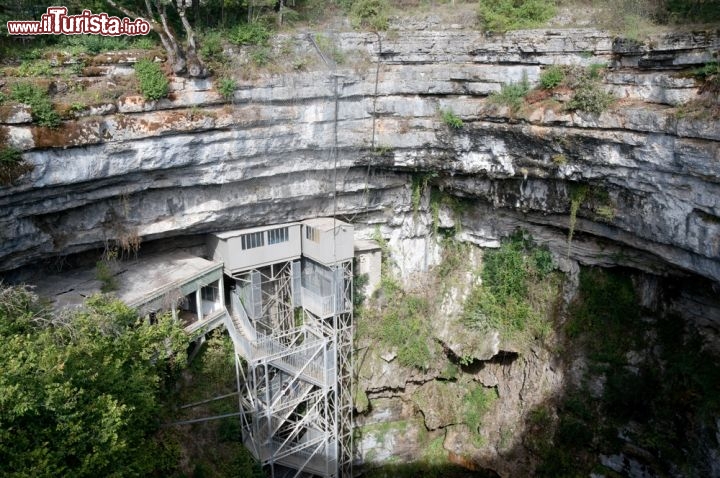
<point>503,15</point>
<point>183,57</point>
<point>79,392</point>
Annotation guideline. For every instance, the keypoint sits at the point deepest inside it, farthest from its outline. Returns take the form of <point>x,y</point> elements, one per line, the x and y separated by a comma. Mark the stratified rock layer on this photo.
<point>288,145</point>
<point>361,141</point>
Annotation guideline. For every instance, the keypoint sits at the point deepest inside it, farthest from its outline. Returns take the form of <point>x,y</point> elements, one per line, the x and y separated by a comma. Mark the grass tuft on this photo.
<point>512,94</point>
<point>552,77</point>
<point>450,119</point>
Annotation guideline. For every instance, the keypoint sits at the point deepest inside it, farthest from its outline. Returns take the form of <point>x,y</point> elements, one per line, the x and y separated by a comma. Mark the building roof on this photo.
<point>321,223</point>
<point>362,245</point>
<point>324,224</point>
<point>238,232</point>
<point>139,281</point>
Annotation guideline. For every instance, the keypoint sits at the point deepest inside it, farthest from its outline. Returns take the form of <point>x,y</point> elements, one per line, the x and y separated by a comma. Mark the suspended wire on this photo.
<point>335,166</point>
<point>374,123</point>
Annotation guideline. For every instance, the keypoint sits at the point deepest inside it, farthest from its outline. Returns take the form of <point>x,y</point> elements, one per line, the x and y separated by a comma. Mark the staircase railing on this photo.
<point>322,306</point>
<point>241,317</point>
<point>307,358</point>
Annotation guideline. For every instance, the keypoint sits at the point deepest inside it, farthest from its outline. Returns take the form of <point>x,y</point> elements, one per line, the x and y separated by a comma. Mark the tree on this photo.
<point>79,393</point>
<point>183,59</point>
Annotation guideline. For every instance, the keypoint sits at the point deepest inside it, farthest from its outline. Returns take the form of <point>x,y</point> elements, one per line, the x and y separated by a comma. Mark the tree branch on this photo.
<point>127,12</point>
<point>180,5</point>
<point>134,15</point>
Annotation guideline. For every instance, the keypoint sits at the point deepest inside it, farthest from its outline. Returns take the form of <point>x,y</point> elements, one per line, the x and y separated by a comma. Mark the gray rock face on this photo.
<point>646,179</point>
<point>288,144</point>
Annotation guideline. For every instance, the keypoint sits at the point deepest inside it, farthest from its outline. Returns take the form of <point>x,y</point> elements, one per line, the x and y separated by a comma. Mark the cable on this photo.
<point>374,121</point>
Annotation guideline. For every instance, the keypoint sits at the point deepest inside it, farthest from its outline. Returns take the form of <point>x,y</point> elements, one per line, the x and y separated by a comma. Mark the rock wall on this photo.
<point>288,144</point>
<point>366,141</point>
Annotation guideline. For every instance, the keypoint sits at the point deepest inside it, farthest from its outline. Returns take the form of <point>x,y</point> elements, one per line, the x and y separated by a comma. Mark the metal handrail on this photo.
<point>239,340</point>
<point>277,445</point>
<point>263,347</point>
<point>321,305</point>
<point>309,364</point>
<point>240,313</point>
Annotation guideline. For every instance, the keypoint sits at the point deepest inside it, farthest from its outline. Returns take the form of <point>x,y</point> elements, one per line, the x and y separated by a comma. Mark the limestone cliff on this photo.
<point>288,143</point>
<point>638,185</point>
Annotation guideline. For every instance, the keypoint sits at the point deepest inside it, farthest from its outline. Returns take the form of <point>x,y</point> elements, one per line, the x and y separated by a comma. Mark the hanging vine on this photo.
<point>578,193</point>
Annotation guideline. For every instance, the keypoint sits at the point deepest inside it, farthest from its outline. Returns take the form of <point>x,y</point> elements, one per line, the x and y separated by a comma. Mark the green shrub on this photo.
<point>86,395</point>
<point>96,43</point>
<point>34,68</point>
<point>249,34</point>
<point>44,114</point>
<point>153,83</point>
<point>211,47</point>
<point>595,70</point>
<point>104,274</point>
<point>512,94</point>
<point>401,323</point>
<point>77,67</point>
<point>588,92</point>
<point>261,56</point>
<point>507,300</point>
<point>693,10</point>
<point>40,106</point>
<point>77,107</point>
<point>370,13</point>
<point>144,43</point>
<point>589,96</point>
<point>12,166</point>
<point>475,404</point>
<point>27,93</point>
<point>543,261</point>
<point>226,87</point>
<point>451,119</point>
<point>710,72</point>
<point>504,15</point>
<point>552,77</point>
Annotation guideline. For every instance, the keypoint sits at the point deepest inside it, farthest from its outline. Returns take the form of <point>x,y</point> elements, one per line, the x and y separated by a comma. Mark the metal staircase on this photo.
<point>296,404</point>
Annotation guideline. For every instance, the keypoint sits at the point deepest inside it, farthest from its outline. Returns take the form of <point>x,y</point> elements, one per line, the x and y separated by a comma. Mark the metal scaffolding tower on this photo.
<point>291,323</point>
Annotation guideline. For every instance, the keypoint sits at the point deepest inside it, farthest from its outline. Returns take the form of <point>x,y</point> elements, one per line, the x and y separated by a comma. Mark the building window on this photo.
<point>312,234</point>
<point>276,236</point>
<point>210,293</point>
<point>252,240</point>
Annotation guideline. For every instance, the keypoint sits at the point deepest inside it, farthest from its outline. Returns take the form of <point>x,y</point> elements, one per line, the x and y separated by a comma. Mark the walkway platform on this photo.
<point>141,283</point>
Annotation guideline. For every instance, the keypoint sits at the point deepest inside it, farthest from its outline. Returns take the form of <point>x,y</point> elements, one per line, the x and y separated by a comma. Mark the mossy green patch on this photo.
<point>517,294</point>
